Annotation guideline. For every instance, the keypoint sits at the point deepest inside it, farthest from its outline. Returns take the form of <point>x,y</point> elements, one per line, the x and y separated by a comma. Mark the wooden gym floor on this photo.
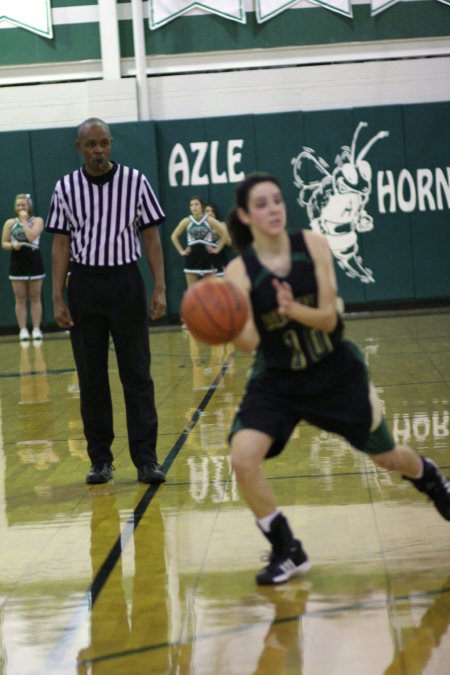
<point>130,579</point>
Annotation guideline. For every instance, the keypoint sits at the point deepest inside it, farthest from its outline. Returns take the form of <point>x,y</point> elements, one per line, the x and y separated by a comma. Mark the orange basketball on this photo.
<point>214,311</point>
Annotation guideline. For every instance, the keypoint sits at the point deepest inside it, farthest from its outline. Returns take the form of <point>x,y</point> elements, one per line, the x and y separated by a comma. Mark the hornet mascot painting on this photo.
<point>336,199</point>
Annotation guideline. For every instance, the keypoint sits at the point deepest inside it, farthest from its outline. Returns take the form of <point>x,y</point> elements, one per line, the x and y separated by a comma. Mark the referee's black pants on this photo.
<point>106,302</point>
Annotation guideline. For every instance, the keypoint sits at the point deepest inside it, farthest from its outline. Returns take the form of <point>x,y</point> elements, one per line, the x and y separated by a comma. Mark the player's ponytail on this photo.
<point>241,235</point>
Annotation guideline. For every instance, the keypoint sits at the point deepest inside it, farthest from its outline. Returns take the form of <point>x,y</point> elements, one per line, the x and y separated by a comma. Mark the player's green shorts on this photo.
<point>334,395</point>
<point>380,440</point>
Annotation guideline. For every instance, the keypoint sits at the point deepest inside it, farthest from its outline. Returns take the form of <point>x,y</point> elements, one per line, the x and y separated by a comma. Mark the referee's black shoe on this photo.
<point>435,486</point>
<point>100,473</point>
<point>150,473</point>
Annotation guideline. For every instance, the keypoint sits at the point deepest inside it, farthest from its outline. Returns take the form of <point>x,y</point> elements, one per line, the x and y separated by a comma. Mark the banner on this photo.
<point>267,9</point>
<point>163,11</point>
<point>36,15</point>
<point>33,15</point>
<point>378,6</point>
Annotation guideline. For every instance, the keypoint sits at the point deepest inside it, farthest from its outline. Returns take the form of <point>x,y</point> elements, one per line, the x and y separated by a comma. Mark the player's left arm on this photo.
<point>153,252</point>
<point>324,316</point>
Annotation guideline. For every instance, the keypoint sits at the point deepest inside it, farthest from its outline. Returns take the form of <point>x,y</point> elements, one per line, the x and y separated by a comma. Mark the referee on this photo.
<point>95,217</point>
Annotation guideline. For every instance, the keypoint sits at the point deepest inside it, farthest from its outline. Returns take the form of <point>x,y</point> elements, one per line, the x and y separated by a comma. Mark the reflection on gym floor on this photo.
<point>130,579</point>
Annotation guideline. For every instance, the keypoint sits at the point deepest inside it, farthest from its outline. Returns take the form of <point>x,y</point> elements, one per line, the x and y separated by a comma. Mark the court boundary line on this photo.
<point>91,594</point>
<point>133,521</point>
<point>329,611</point>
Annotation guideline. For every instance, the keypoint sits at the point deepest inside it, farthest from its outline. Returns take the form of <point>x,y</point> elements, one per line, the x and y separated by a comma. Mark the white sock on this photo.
<point>265,522</point>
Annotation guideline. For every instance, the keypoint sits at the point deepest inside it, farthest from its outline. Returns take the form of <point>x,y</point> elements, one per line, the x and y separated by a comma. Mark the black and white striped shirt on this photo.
<point>102,215</point>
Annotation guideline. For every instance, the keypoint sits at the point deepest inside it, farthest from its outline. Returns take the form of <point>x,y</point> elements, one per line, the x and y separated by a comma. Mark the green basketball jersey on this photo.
<point>285,344</point>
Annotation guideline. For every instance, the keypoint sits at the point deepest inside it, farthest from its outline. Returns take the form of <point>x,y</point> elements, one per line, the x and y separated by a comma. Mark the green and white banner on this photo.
<point>36,15</point>
<point>163,11</point>
<point>33,15</point>
<point>378,6</point>
<point>266,9</point>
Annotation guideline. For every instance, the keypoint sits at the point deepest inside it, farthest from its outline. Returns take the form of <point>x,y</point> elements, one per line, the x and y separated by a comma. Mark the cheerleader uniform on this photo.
<point>26,263</point>
<point>199,236</point>
<point>220,260</point>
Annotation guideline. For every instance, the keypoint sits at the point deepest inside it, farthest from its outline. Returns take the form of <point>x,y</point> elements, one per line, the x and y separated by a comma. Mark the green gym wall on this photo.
<point>405,174</point>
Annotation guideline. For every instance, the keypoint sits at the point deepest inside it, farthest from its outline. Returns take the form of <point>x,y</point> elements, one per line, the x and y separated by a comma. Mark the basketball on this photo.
<point>214,311</point>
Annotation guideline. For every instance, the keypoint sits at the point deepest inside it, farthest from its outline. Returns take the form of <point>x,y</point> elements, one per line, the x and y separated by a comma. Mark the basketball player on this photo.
<point>95,217</point>
<point>202,231</point>
<point>21,236</point>
<point>303,369</point>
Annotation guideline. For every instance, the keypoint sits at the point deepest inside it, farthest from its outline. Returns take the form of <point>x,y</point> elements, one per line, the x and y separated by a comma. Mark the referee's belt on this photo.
<point>100,269</point>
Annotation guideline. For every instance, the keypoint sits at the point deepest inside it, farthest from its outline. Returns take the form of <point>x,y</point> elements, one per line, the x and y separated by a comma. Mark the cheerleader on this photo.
<point>202,230</point>
<point>21,236</point>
